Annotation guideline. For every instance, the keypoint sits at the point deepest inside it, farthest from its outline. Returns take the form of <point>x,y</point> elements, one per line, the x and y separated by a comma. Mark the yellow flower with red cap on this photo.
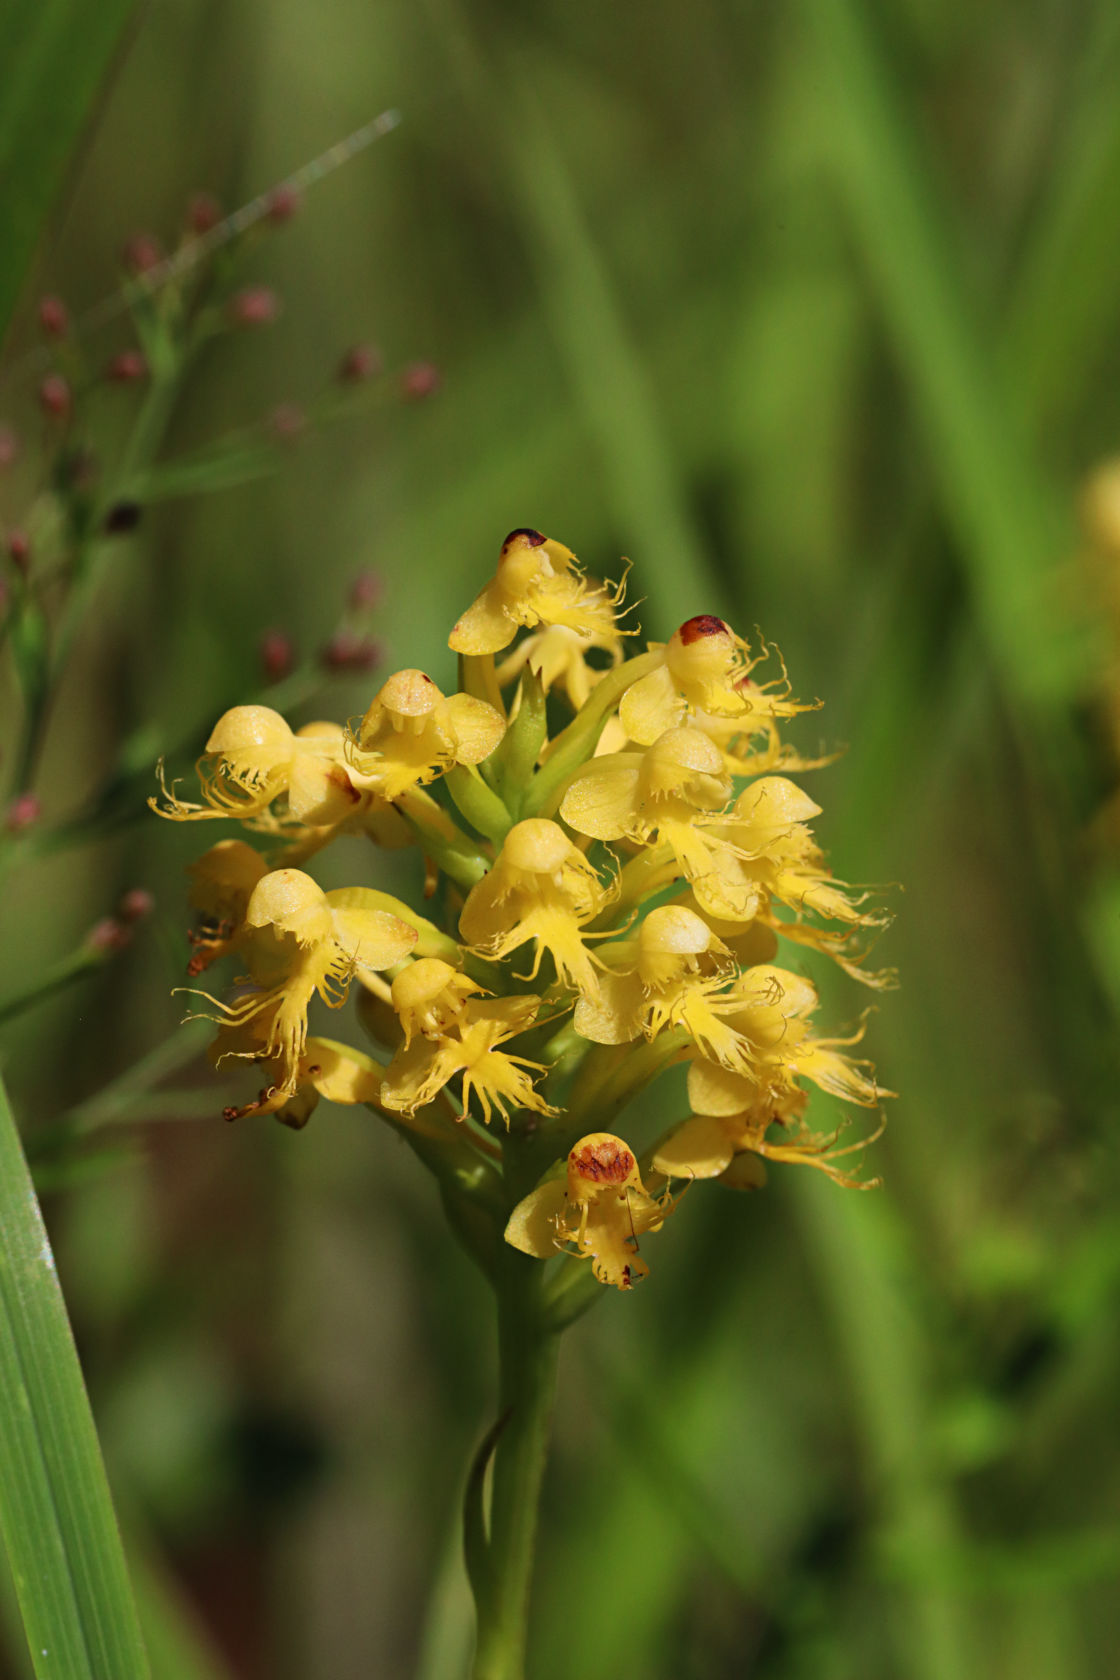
<point>537,582</point>
<point>599,1209</point>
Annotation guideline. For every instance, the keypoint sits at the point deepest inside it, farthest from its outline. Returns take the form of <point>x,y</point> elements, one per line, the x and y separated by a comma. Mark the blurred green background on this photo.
<point>810,310</point>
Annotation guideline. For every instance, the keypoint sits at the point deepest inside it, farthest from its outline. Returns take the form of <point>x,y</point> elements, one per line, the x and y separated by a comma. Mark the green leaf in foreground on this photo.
<point>56,1513</point>
<point>56,53</point>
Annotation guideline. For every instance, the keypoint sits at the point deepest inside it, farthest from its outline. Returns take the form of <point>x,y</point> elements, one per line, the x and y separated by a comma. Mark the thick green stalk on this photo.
<point>527,1350</point>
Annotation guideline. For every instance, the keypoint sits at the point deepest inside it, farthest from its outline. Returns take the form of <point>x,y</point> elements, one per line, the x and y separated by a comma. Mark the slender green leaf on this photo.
<point>56,1513</point>
<point>56,54</point>
<point>1006,517</point>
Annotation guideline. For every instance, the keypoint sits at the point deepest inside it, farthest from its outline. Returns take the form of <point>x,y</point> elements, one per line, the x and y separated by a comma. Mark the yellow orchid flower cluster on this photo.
<point>612,856</point>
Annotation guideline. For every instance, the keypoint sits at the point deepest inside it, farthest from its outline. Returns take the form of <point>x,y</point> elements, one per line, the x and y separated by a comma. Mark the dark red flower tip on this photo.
<point>534,539</point>
<point>706,624</point>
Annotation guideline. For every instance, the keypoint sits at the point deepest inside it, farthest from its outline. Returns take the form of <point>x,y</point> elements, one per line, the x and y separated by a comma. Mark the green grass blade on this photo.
<point>56,1513</point>
<point>1007,519</point>
<point>56,53</point>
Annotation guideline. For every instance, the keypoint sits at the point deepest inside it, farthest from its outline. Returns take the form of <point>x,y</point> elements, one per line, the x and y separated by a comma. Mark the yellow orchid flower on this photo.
<point>599,1210</point>
<point>413,732</point>
<point>666,794</point>
<point>541,890</point>
<point>430,996</point>
<point>680,978</point>
<point>778,858</point>
<point>728,1147</point>
<point>222,882</point>
<point>770,1010</point>
<point>325,1069</point>
<point>538,581</point>
<point>253,758</point>
<point>701,666</point>
<point>299,943</point>
<point>421,1069</point>
<point>559,657</point>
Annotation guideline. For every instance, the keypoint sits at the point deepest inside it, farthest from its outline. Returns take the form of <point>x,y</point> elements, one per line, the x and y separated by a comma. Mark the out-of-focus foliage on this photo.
<point>810,309</point>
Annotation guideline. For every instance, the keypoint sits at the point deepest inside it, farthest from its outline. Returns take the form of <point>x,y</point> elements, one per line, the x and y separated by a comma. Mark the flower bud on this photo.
<point>23,813</point>
<point>287,422</point>
<point>9,447</point>
<point>420,381</point>
<point>54,396</point>
<point>108,936</point>
<point>203,213</point>
<point>284,202</point>
<point>276,655</point>
<point>366,591</point>
<point>255,306</point>
<point>142,253</point>
<point>362,361</point>
<point>348,651</point>
<point>19,551</point>
<point>122,519</point>
<point>127,367</point>
<point>54,317</point>
<point>136,904</point>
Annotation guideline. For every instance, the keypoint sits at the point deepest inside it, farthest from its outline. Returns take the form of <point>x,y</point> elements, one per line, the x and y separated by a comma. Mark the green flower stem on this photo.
<point>477,802</point>
<point>576,744</point>
<point>454,851</point>
<point>527,1350</point>
<point>81,962</point>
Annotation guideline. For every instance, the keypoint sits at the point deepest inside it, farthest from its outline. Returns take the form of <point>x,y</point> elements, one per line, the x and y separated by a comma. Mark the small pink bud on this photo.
<point>348,651</point>
<point>127,367</point>
<point>277,655</point>
<point>420,381</point>
<point>287,422</point>
<point>203,213</point>
<point>9,447</point>
<point>142,253</point>
<point>54,396</point>
<point>136,904</point>
<point>23,813</point>
<point>284,202</point>
<point>108,935</point>
<point>54,317</point>
<point>366,591</point>
<point>3,594</point>
<point>19,550</point>
<point>256,306</point>
<point>362,361</point>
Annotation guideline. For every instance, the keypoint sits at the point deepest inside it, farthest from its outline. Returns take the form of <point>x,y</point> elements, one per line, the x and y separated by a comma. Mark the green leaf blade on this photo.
<point>56,1513</point>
